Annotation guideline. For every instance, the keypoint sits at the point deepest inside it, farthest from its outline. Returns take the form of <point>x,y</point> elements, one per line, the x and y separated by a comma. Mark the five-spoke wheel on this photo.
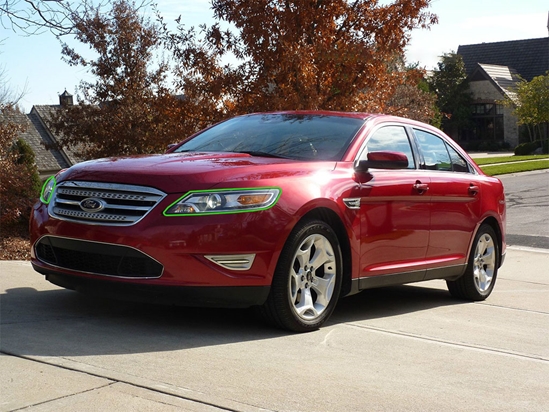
<point>307,281</point>
<point>480,276</point>
<point>312,277</point>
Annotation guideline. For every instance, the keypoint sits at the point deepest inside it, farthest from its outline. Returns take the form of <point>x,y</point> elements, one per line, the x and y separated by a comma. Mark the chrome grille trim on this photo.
<point>124,205</point>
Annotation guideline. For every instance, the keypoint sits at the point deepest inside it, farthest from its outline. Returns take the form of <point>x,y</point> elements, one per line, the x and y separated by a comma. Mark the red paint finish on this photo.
<point>401,220</point>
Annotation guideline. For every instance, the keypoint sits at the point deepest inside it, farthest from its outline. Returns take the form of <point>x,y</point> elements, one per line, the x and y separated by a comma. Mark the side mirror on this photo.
<point>382,160</point>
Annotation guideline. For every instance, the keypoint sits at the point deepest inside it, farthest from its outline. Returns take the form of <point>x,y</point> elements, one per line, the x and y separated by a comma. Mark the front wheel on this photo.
<point>307,280</point>
<point>480,276</point>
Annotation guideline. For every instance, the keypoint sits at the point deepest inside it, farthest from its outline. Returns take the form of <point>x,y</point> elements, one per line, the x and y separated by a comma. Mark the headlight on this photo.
<point>204,202</point>
<point>47,190</point>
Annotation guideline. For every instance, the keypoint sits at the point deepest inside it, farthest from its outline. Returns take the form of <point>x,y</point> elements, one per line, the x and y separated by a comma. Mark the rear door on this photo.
<point>455,196</point>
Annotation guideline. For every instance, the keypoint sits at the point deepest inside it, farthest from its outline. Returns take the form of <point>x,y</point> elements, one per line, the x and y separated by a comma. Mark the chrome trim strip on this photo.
<point>352,202</point>
<point>233,262</point>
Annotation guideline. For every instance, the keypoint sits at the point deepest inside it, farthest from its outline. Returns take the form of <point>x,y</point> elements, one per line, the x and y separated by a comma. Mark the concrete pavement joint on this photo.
<point>538,312</point>
<point>522,281</point>
<point>529,249</point>
<point>454,344</point>
<point>116,380</point>
<point>61,397</point>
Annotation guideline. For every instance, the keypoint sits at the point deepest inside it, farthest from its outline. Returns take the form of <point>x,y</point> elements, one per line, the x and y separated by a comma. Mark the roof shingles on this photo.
<point>530,57</point>
<point>48,161</point>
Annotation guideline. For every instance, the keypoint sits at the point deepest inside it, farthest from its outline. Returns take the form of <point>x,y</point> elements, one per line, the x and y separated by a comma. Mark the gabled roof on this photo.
<point>48,161</point>
<point>504,78</point>
<point>530,58</point>
<point>42,113</point>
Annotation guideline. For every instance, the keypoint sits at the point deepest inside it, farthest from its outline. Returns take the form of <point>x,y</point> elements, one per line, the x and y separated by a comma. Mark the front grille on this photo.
<point>97,258</point>
<point>117,204</point>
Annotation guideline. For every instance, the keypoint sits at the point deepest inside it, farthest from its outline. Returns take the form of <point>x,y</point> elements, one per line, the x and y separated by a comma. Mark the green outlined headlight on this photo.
<point>224,201</point>
<point>47,190</point>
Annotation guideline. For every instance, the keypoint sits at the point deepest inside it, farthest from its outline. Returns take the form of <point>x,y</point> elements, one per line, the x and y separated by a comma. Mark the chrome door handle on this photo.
<point>421,187</point>
<point>473,189</point>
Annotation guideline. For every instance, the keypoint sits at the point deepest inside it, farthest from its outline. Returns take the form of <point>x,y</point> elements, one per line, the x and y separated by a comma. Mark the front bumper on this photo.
<point>162,259</point>
<point>223,297</point>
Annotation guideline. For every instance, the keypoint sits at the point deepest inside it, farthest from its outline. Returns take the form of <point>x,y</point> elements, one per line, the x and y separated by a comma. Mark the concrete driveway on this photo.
<point>408,348</point>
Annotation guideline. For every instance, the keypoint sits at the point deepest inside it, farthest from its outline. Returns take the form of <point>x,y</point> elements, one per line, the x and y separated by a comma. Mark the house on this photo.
<point>493,70</point>
<point>49,159</point>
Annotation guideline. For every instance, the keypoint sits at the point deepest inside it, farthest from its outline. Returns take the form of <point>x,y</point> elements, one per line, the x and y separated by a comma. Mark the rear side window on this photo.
<point>439,155</point>
<point>390,139</point>
<point>458,163</point>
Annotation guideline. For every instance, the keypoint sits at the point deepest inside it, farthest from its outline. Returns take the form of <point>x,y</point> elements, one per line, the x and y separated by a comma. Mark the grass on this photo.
<point>508,159</point>
<point>516,167</point>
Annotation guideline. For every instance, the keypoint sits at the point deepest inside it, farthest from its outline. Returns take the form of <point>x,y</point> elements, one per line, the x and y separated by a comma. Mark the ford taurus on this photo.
<point>286,212</point>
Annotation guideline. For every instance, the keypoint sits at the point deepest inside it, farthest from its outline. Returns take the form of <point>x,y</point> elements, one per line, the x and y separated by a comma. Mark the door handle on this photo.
<point>421,187</point>
<point>473,189</point>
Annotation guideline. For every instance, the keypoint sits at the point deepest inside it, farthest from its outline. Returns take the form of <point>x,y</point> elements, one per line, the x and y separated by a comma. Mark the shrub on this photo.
<point>486,145</point>
<point>529,148</point>
<point>19,184</point>
<point>545,146</point>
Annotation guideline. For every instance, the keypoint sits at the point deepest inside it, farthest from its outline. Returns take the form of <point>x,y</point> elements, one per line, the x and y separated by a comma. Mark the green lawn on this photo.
<point>507,159</point>
<point>522,166</point>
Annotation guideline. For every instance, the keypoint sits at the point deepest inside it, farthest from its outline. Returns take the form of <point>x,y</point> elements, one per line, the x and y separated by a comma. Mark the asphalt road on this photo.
<point>407,348</point>
<point>527,208</point>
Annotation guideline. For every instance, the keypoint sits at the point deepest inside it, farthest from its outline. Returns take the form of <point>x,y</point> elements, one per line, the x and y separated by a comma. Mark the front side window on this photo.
<point>390,139</point>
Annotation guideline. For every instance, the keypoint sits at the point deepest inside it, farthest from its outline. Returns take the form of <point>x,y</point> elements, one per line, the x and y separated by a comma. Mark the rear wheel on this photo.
<point>480,276</point>
<point>307,281</point>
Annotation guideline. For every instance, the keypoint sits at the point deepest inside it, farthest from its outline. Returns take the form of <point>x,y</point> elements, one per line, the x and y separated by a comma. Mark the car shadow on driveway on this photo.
<point>390,301</point>
<point>65,323</point>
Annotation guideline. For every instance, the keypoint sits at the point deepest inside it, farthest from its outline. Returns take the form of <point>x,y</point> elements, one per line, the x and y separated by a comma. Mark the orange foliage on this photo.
<point>278,55</point>
<point>303,54</point>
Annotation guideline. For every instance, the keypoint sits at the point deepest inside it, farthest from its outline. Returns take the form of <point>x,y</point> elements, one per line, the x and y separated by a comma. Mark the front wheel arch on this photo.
<point>335,222</point>
<point>307,282</point>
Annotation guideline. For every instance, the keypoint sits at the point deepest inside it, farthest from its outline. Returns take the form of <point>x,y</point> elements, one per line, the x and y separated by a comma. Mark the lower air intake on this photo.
<point>97,258</point>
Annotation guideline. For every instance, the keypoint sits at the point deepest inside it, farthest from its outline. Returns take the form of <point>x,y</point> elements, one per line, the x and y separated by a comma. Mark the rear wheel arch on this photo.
<point>493,223</point>
<point>478,280</point>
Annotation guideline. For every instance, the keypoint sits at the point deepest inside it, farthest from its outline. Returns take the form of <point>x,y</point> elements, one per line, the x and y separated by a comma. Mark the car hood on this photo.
<point>180,172</point>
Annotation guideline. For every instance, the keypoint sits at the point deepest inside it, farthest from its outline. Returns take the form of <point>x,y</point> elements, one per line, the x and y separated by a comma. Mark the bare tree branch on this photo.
<point>60,17</point>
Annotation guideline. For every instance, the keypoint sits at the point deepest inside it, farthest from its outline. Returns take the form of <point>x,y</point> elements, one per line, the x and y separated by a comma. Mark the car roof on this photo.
<point>379,117</point>
<point>356,115</point>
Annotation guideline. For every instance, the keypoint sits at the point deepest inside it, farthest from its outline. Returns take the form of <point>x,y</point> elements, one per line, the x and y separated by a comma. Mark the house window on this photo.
<point>487,122</point>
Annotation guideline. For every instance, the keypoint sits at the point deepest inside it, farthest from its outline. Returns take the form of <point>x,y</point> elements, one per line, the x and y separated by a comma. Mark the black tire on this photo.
<point>479,278</point>
<point>303,292</point>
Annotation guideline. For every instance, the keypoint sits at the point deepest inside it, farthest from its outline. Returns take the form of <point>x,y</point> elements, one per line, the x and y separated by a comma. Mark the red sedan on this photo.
<point>285,211</point>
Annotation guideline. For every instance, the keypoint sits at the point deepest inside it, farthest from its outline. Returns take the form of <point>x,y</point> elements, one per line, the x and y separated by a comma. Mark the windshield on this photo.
<point>290,136</point>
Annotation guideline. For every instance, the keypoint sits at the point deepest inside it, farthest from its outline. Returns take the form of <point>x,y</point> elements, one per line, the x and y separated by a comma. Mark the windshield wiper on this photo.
<point>261,154</point>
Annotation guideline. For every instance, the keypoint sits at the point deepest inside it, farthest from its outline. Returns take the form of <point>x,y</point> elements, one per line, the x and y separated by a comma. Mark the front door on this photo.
<point>394,212</point>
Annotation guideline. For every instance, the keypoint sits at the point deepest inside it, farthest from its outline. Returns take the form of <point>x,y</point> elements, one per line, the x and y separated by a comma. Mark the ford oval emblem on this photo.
<point>92,205</point>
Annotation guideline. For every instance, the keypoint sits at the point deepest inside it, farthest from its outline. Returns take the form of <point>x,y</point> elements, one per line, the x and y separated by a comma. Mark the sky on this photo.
<point>33,63</point>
